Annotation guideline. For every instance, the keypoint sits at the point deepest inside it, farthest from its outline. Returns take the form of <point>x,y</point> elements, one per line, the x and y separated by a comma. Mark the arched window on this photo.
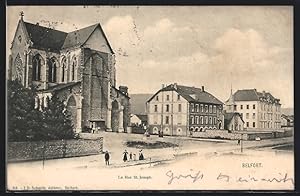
<point>52,70</point>
<point>63,69</point>
<point>36,67</point>
<point>19,68</point>
<point>74,64</point>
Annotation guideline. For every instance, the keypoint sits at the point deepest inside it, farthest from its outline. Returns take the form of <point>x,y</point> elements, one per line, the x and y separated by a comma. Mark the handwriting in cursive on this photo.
<point>198,175</point>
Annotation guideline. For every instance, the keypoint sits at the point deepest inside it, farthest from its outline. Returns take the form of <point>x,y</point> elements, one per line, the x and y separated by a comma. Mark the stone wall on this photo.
<point>23,151</point>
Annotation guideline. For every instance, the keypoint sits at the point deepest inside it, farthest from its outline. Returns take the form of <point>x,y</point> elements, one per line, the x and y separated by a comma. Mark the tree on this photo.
<point>57,122</point>
<point>23,120</point>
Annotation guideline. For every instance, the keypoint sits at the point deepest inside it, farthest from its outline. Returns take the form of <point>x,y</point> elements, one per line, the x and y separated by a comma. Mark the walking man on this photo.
<point>106,156</point>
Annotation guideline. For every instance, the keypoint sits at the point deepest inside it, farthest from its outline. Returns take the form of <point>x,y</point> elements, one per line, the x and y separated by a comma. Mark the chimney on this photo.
<point>124,89</point>
<point>37,24</point>
<point>163,86</point>
<point>202,88</point>
<point>264,93</point>
<point>175,86</point>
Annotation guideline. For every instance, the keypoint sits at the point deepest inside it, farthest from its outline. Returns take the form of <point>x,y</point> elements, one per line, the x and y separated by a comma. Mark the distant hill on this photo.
<point>287,111</point>
<point>138,103</point>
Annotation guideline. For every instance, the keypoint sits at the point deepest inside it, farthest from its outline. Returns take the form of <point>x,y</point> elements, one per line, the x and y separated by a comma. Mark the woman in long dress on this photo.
<point>125,155</point>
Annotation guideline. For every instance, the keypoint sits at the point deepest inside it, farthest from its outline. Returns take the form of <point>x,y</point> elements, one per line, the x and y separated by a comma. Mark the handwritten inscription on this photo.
<point>195,176</point>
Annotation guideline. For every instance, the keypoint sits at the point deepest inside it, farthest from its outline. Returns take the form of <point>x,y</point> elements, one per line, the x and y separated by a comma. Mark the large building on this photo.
<point>179,110</point>
<point>259,110</point>
<point>78,66</point>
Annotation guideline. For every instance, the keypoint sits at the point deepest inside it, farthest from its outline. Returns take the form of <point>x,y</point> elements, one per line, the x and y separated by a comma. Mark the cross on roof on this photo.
<point>21,14</point>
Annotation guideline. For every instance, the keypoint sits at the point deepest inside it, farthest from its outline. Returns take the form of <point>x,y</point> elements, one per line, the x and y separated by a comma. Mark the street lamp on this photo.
<point>241,143</point>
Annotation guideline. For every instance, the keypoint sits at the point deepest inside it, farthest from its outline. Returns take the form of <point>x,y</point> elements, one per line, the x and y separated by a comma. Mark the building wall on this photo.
<point>171,120</point>
<point>198,115</point>
<point>266,114</point>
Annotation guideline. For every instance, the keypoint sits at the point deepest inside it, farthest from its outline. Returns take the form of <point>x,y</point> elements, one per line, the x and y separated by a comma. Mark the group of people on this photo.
<point>141,156</point>
<point>131,156</point>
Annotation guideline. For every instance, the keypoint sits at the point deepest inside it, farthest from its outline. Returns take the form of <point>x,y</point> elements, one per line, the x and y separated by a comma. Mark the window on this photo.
<point>167,120</point>
<point>215,109</point>
<point>197,120</point>
<point>201,107</point>
<point>156,98</point>
<point>210,120</point>
<point>234,108</point>
<point>192,120</point>
<point>192,107</point>
<point>253,124</point>
<point>51,63</point>
<point>179,107</point>
<point>197,108</point>
<point>36,67</point>
<point>155,108</point>
<point>210,109</point>
<point>167,108</point>
<point>247,123</point>
<point>247,107</point>
<point>20,38</point>
<point>253,106</point>
<point>206,108</point>
<point>74,63</point>
<point>201,120</point>
<point>241,107</point>
<point>253,116</point>
<point>179,119</point>
<point>168,97</point>
<point>64,68</point>
<point>215,120</point>
<point>240,128</point>
<point>178,97</point>
<point>247,115</point>
<point>206,120</point>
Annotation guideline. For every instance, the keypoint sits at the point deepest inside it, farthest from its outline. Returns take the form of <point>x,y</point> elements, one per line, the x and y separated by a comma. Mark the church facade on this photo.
<point>79,67</point>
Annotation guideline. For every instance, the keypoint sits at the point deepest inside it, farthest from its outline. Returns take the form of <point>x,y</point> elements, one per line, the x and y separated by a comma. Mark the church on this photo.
<point>78,67</point>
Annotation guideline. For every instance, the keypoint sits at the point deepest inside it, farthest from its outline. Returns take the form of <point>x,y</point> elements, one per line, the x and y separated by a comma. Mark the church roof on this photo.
<point>191,94</point>
<point>55,40</point>
<point>45,38</point>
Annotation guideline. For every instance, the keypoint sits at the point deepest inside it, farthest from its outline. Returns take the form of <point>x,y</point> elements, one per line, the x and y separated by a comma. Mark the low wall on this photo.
<point>224,134</point>
<point>38,150</point>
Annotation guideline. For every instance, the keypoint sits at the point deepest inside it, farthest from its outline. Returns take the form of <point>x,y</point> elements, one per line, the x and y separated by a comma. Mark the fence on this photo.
<point>38,150</point>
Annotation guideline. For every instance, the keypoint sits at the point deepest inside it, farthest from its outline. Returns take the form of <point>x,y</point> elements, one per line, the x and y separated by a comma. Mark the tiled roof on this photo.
<point>54,40</point>
<point>45,38</point>
<point>191,94</point>
<point>78,37</point>
<point>60,87</point>
<point>252,95</point>
<point>143,117</point>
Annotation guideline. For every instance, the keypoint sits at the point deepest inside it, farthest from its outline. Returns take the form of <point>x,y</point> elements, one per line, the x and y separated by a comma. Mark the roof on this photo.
<point>45,38</point>
<point>55,40</point>
<point>253,95</point>
<point>59,87</point>
<point>191,94</point>
<point>228,117</point>
<point>143,117</point>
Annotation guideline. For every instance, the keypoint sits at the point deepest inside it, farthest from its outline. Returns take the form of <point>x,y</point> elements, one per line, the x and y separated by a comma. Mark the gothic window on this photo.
<point>36,67</point>
<point>74,64</point>
<point>64,68</point>
<point>19,68</point>
<point>52,70</point>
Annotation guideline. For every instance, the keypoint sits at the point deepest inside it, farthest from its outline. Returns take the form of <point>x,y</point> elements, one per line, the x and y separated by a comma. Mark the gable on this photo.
<point>20,33</point>
<point>97,41</point>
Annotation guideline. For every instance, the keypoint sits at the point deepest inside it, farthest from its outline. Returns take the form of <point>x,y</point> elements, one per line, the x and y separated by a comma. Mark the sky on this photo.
<point>217,47</point>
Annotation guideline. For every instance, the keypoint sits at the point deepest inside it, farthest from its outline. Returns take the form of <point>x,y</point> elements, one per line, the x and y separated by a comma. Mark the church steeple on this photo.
<point>21,15</point>
<point>230,103</point>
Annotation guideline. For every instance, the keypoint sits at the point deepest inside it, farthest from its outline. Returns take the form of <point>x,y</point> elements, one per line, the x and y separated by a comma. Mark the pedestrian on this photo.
<point>239,141</point>
<point>106,156</point>
<point>134,157</point>
<point>125,155</point>
<point>141,156</point>
<point>130,156</point>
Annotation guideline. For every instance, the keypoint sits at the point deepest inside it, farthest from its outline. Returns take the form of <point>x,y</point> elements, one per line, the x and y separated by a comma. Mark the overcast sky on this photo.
<point>248,47</point>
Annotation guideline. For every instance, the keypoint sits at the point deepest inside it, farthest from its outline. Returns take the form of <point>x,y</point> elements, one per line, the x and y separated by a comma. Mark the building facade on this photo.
<point>78,66</point>
<point>179,110</point>
<point>259,110</point>
<point>233,121</point>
